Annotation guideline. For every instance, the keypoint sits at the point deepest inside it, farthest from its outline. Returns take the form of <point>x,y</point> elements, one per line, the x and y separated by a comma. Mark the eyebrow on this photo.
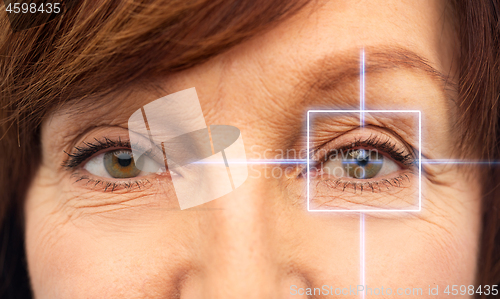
<point>332,71</point>
<point>329,72</point>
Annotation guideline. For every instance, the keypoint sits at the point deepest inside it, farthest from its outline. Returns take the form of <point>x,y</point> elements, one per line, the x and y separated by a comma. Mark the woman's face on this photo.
<point>86,240</point>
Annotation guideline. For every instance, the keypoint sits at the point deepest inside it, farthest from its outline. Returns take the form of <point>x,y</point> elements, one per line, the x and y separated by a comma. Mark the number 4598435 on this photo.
<point>471,290</point>
<point>33,8</point>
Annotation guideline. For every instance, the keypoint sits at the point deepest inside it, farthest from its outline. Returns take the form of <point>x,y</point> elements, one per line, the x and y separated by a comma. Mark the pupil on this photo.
<point>124,160</point>
<point>362,158</point>
<point>362,163</point>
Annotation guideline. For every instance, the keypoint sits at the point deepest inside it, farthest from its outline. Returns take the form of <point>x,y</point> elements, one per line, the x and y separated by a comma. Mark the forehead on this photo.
<point>329,34</point>
<point>409,45</point>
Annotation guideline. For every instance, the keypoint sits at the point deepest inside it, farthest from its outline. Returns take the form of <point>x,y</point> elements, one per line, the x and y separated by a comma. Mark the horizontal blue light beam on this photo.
<point>304,161</point>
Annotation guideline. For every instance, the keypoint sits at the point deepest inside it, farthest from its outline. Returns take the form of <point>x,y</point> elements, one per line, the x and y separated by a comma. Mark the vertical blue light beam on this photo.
<point>362,215</point>
<point>362,88</point>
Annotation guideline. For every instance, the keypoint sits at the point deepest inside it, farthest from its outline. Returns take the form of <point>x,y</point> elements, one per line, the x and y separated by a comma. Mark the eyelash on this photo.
<point>112,186</point>
<point>406,159</point>
<point>82,153</point>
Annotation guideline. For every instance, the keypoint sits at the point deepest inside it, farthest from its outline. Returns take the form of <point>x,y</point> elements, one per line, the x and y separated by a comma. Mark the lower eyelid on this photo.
<point>88,181</point>
<point>372,185</point>
<point>143,181</point>
<point>397,192</point>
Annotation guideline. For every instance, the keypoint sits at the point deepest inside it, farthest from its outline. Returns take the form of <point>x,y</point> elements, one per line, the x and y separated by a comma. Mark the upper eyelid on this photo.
<point>369,141</point>
<point>80,154</point>
<point>411,141</point>
<point>407,153</point>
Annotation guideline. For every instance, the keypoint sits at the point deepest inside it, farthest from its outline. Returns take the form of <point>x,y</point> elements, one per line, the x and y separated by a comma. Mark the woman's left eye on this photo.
<point>119,164</point>
<point>359,164</point>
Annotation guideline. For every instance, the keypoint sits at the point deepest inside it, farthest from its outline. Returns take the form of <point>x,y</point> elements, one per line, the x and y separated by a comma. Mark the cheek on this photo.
<point>437,247</point>
<point>68,262</point>
<point>418,257</point>
<point>75,254</point>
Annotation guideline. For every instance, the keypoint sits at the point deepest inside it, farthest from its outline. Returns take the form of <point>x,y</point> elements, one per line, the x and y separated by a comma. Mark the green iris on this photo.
<point>120,164</point>
<point>362,164</point>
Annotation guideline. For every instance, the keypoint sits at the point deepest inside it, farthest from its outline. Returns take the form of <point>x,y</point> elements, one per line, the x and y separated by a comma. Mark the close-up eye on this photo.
<point>359,164</point>
<point>363,161</point>
<point>120,164</point>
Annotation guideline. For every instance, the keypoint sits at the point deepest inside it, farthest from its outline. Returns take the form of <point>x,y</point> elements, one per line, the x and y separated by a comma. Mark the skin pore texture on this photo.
<point>258,241</point>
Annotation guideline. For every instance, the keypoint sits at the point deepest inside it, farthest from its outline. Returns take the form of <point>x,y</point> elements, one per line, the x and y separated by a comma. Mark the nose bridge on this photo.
<point>239,248</point>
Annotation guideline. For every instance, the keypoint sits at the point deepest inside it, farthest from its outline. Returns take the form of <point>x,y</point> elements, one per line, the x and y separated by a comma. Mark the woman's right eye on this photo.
<point>120,164</point>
